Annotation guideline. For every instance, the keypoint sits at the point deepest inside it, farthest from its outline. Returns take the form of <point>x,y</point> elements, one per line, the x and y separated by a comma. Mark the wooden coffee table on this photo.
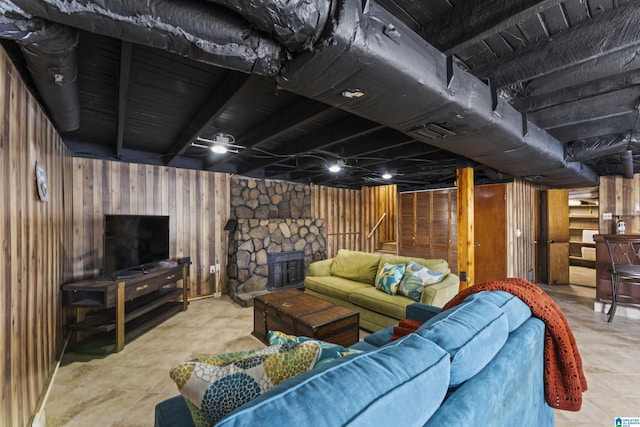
<point>296,313</point>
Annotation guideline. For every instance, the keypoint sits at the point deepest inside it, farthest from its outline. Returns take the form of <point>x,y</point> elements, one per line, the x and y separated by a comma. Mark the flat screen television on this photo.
<point>134,242</point>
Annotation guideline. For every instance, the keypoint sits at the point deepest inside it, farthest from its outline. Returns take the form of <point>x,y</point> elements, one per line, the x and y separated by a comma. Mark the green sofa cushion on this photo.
<point>374,299</point>
<point>356,265</point>
<point>333,286</point>
<point>437,265</point>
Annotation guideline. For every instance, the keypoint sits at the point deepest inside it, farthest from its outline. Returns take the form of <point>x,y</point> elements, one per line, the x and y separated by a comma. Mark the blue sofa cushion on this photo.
<point>362,390</point>
<point>471,332</point>
<point>515,309</point>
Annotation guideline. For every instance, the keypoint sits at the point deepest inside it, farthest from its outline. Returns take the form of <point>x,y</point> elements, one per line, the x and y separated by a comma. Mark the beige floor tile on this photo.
<point>121,390</point>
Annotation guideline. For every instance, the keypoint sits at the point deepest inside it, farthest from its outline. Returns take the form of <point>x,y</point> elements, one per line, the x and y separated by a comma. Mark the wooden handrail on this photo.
<point>375,227</point>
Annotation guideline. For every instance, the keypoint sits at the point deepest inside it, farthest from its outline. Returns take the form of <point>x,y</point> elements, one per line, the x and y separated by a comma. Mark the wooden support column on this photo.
<point>465,186</point>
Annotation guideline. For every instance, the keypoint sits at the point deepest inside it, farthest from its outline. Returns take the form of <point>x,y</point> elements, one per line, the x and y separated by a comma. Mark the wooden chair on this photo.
<point>625,265</point>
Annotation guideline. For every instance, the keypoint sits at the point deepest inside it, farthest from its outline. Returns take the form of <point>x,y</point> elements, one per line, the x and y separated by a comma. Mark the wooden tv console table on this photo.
<point>114,303</point>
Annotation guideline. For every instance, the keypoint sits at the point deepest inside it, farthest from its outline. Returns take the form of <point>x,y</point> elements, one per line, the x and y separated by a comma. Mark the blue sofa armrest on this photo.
<point>421,312</point>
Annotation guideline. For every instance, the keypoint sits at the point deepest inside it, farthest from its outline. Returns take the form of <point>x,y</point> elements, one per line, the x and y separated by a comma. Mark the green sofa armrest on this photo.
<point>440,293</point>
<point>321,268</point>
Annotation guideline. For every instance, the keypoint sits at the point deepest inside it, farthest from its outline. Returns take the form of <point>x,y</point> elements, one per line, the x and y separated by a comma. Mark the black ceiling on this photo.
<point>572,66</point>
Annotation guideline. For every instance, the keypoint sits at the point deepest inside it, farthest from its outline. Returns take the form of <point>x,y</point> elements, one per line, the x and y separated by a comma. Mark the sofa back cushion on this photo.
<point>437,265</point>
<point>516,310</point>
<point>471,332</point>
<point>404,380</point>
<point>356,265</point>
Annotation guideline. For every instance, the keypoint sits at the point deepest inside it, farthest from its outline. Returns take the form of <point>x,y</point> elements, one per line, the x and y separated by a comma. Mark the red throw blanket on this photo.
<point>563,376</point>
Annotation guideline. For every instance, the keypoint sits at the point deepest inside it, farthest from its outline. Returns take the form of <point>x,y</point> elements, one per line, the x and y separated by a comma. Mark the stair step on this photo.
<point>388,248</point>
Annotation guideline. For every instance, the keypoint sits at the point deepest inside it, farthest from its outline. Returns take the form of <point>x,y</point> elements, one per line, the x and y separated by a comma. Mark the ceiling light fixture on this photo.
<point>337,166</point>
<point>219,144</point>
<point>353,93</point>
<point>387,175</point>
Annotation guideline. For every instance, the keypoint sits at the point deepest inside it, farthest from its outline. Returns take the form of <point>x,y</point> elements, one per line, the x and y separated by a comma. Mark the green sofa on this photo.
<point>349,280</point>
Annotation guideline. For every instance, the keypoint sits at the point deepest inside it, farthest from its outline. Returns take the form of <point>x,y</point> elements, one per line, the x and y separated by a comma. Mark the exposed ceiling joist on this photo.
<point>608,32</point>
<point>294,116</point>
<point>215,105</point>
<point>123,91</point>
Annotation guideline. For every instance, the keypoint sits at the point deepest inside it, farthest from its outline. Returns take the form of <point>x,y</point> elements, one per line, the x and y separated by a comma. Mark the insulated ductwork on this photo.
<point>50,52</point>
<point>200,31</point>
<point>594,148</point>
<point>408,85</point>
<point>362,60</point>
<point>296,24</point>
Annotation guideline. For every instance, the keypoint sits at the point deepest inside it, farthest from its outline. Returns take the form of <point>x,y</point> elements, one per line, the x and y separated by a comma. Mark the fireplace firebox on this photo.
<point>285,270</point>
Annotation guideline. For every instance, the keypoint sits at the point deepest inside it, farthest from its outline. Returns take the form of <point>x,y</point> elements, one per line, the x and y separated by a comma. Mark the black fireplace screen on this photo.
<point>286,270</point>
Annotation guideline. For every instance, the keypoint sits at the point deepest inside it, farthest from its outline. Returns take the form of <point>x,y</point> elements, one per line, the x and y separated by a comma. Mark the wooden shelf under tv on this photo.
<point>105,305</point>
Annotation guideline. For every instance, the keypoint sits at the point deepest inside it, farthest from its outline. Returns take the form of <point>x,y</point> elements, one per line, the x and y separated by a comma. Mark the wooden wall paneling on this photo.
<point>407,224</point>
<point>341,209</point>
<point>375,202</point>
<point>37,239</point>
<point>620,196</point>
<point>522,211</point>
<point>191,198</point>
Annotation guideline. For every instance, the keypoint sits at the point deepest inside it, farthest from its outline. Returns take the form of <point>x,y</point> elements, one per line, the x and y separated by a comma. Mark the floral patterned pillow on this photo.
<point>389,278</point>
<point>213,386</point>
<point>416,277</point>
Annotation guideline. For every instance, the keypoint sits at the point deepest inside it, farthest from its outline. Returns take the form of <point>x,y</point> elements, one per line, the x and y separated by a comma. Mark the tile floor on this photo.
<point>120,390</point>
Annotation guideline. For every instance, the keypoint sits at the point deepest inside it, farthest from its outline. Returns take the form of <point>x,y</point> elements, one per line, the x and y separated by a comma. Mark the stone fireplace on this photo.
<point>274,229</point>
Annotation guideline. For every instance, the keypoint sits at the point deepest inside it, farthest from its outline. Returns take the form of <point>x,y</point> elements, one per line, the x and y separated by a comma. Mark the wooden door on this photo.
<point>490,232</point>
<point>558,236</point>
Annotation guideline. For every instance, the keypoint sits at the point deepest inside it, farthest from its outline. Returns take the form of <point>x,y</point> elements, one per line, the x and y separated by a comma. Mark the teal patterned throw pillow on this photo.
<point>389,278</point>
<point>416,277</point>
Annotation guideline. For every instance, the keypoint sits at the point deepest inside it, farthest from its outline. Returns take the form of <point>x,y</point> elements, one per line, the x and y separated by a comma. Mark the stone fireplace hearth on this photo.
<point>261,230</point>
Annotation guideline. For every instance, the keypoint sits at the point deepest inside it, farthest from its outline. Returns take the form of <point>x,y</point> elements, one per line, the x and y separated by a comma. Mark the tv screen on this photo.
<point>134,242</point>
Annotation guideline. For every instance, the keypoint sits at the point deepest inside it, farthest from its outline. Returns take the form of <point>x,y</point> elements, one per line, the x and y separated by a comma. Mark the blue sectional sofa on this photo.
<point>479,363</point>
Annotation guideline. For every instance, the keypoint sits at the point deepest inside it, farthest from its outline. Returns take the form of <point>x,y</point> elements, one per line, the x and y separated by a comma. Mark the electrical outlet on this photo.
<point>212,269</point>
<point>463,276</point>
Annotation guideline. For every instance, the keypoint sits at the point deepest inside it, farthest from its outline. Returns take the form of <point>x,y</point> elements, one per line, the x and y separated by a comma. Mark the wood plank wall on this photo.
<point>36,246</point>
<point>341,210</point>
<point>351,214</point>
<point>522,214</point>
<point>620,196</point>
<point>377,201</point>
<point>196,201</point>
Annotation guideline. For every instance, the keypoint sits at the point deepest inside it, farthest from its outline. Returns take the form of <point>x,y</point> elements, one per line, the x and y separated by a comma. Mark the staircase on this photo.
<point>387,248</point>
